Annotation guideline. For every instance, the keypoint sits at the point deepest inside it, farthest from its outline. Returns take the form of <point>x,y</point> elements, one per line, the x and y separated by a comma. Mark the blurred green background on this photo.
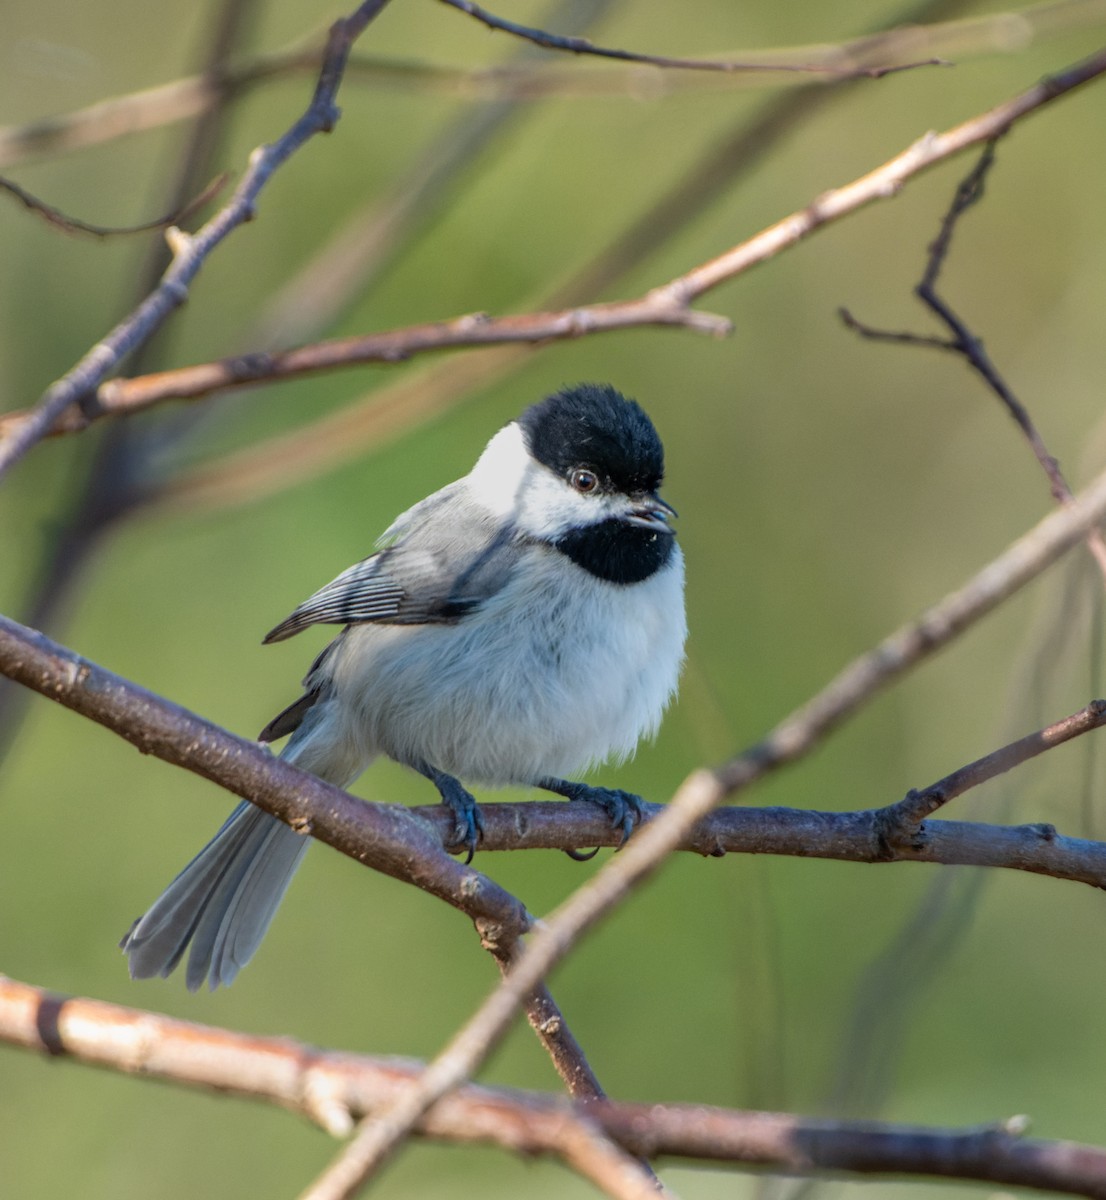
<point>828,490</point>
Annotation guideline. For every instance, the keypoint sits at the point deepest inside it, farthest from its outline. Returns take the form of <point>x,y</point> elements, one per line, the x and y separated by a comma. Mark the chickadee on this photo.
<point>516,627</point>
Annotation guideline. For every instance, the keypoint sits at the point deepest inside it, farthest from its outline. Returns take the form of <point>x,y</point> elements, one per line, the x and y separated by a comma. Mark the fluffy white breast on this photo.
<point>557,672</point>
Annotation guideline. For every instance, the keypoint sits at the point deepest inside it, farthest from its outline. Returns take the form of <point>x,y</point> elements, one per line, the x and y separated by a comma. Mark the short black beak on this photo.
<point>652,513</point>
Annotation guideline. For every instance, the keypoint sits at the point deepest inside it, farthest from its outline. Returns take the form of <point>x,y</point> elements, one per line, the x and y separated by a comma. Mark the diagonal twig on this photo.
<point>379,1136</point>
<point>963,341</point>
<point>279,460</point>
<point>917,805</point>
<point>579,45</point>
<point>181,99</point>
<point>667,304</point>
<point>191,251</point>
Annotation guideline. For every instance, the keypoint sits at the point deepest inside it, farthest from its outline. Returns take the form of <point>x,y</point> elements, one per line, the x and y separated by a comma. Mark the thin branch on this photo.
<point>100,497</point>
<point>59,220</point>
<point>354,255</point>
<point>885,181</point>
<point>281,460</point>
<point>397,843</point>
<point>579,45</point>
<point>965,343</point>
<point>916,806</point>
<point>330,1088</point>
<point>668,304</point>
<point>379,1136</point>
<point>181,99</point>
<point>388,837</point>
<point>125,396</point>
<point>190,252</point>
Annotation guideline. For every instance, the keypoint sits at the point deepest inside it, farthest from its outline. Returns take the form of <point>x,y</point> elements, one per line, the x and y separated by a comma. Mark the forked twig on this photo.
<point>398,843</point>
<point>668,304</point>
<point>191,251</point>
<point>963,341</point>
<point>379,1136</point>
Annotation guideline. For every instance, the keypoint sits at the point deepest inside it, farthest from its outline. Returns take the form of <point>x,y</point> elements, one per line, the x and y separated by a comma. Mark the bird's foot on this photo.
<point>624,809</point>
<point>468,821</point>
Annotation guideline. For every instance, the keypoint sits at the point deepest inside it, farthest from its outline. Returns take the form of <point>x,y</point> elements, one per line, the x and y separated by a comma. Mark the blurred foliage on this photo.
<point>828,489</point>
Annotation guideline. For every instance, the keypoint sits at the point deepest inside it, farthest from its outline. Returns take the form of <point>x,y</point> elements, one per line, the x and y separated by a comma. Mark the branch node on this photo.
<point>179,242</point>
<point>711,323</point>
<point>176,291</point>
<point>322,1102</point>
<point>244,367</point>
<point>580,321</point>
<point>886,834</point>
<point>473,320</point>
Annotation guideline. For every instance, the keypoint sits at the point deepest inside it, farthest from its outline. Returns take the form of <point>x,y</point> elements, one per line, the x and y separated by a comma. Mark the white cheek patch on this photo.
<point>509,484</point>
<point>497,481</point>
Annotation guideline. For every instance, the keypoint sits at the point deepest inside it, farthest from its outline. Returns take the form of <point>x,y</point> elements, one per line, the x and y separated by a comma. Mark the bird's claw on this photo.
<point>624,808</point>
<point>468,827</point>
<point>468,820</point>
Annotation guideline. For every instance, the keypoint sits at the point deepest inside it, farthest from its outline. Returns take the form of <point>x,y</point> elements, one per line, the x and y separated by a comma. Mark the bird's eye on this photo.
<point>584,480</point>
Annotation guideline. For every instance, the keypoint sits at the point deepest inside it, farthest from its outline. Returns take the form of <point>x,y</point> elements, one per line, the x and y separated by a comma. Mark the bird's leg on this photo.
<point>468,826</point>
<point>624,808</point>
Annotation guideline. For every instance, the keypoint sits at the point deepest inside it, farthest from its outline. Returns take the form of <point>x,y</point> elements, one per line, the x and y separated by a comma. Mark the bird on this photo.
<point>519,626</point>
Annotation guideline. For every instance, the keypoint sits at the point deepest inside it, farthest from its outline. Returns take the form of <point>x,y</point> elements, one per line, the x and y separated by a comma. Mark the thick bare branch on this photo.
<point>379,1136</point>
<point>380,835</point>
<point>391,838</point>
<point>400,845</point>
<point>331,1088</point>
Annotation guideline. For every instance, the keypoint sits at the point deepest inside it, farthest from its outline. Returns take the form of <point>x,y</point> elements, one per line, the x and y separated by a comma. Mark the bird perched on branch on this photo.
<point>516,627</point>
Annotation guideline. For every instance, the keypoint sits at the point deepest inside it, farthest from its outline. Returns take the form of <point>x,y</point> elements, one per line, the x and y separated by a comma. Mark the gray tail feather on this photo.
<point>222,902</point>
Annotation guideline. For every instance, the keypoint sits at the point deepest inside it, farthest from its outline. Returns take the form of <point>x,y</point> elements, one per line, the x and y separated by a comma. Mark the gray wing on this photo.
<point>363,592</point>
<point>441,560</point>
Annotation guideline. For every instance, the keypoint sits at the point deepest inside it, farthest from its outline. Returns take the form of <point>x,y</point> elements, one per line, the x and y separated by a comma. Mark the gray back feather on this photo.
<point>439,561</point>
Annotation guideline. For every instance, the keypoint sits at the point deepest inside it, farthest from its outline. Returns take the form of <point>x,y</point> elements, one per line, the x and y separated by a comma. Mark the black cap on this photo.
<point>595,425</point>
